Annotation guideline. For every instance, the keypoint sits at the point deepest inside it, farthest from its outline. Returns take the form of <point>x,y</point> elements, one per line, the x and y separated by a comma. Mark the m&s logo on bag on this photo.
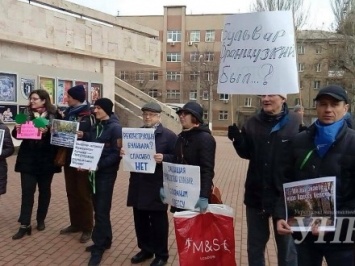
<point>206,246</point>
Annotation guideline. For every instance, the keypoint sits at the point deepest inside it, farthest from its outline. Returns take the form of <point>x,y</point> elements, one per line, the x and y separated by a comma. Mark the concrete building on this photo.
<point>189,67</point>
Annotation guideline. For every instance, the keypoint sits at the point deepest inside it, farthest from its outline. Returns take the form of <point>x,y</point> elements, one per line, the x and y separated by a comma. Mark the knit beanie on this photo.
<point>105,104</point>
<point>78,93</point>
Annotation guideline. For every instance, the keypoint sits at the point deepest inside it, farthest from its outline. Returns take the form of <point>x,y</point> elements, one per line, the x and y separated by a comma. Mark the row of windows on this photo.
<point>194,57</point>
<point>317,49</point>
<point>301,67</point>
<point>195,36</point>
<point>170,75</point>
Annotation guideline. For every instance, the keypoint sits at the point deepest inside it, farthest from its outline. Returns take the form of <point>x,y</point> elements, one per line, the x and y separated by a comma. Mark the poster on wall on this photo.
<point>86,86</point>
<point>62,91</point>
<point>95,92</point>
<point>27,85</point>
<point>8,87</point>
<point>22,108</point>
<point>8,112</point>
<point>48,85</point>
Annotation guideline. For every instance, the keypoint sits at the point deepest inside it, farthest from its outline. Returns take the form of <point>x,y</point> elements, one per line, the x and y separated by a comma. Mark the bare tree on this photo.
<point>300,12</point>
<point>343,12</point>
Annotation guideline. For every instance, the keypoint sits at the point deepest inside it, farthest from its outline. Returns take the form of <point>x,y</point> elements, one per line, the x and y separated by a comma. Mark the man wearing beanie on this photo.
<point>151,221</point>
<point>76,182</point>
<point>108,131</point>
<point>263,141</point>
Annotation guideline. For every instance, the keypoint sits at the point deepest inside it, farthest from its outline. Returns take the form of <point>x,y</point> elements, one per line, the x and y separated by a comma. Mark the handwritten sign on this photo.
<point>86,155</point>
<point>139,147</point>
<point>181,185</point>
<point>311,202</point>
<point>258,54</point>
<point>63,133</point>
<point>28,131</point>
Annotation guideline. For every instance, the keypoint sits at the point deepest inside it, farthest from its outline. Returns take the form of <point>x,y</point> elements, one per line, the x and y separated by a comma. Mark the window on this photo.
<point>153,93</point>
<point>247,102</point>
<point>301,49</point>
<point>318,67</point>
<point>205,115</point>
<point>173,94</point>
<point>193,95</point>
<point>318,49</point>
<point>297,101</point>
<point>194,75</point>
<point>314,103</point>
<point>205,95</point>
<point>223,97</point>
<point>173,57</point>
<point>195,36</point>
<point>174,36</point>
<point>300,67</point>
<point>208,75</point>
<point>173,75</point>
<point>153,75</point>
<point>194,56</point>
<point>209,56</point>
<point>124,75</point>
<point>139,76</point>
<point>223,115</point>
<point>210,36</point>
<point>316,84</point>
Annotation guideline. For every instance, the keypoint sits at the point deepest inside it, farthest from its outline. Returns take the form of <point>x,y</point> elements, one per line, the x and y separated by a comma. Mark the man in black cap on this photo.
<point>76,182</point>
<point>150,214</point>
<point>325,149</point>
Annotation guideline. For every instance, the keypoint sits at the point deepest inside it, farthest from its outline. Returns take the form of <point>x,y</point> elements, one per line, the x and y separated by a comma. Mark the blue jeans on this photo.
<point>102,200</point>
<point>258,236</point>
<point>311,254</point>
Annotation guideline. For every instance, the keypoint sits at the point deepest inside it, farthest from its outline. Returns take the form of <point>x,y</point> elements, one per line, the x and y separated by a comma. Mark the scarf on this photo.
<point>278,120</point>
<point>71,113</point>
<point>325,135</point>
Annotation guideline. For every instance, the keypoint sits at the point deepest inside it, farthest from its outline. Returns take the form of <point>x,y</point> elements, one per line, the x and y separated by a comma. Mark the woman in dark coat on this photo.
<point>7,150</point>
<point>35,163</point>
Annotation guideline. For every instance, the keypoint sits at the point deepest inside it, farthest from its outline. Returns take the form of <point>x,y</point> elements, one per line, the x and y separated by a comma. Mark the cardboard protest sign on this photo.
<point>258,54</point>
<point>63,133</point>
<point>86,155</point>
<point>139,147</point>
<point>311,202</point>
<point>181,185</point>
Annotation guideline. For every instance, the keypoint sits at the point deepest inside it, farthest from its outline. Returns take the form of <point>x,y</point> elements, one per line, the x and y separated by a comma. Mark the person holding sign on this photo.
<point>195,146</point>
<point>6,150</point>
<point>263,141</point>
<point>107,130</point>
<point>150,214</point>
<point>35,162</point>
<point>76,182</point>
<point>325,149</point>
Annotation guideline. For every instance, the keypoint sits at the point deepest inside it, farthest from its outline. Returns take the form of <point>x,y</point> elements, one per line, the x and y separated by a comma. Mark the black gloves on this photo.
<point>234,133</point>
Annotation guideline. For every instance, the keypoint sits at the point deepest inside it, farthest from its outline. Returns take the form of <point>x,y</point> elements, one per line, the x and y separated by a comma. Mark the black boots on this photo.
<point>41,225</point>
<point>24,229</point>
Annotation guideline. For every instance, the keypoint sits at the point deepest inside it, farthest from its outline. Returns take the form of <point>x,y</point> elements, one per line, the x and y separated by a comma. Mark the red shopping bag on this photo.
<point>206,239</point>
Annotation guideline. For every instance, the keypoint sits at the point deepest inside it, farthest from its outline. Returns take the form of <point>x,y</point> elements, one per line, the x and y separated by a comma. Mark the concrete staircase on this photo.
<point>128,103</point>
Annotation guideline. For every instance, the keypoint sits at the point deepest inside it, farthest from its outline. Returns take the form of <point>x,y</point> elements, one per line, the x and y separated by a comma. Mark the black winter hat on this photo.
<point>78,93</point>
<point>334,91</point>
<point>105,104</point>
<point>193,108</point>
<point>152,106</point>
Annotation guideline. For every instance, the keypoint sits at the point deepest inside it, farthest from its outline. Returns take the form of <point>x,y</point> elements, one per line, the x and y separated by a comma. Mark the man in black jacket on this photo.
<point>150,214</point>
<point>325,149</point>
<point>263,141</point>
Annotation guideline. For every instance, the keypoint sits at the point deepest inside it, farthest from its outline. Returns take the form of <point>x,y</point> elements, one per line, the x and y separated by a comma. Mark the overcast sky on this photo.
<point>320,16</point>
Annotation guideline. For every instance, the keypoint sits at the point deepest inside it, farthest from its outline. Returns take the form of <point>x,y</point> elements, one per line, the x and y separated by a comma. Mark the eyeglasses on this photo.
<point>183,113</point>
<point>149,114</point>
<point>34,99</point>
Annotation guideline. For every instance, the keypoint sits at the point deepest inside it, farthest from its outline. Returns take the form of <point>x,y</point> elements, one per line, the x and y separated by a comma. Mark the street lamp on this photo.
<point>210,97</point>
<point>198,85</point>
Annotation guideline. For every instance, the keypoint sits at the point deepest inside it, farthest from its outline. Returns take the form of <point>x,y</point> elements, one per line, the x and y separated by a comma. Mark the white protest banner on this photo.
<point>309,202</point>
<point>63,133</point>
<point>258,54</point>
<point>2,136</point>
<point>139,147</point>
<point>181,185</point>
<point>86,155</point>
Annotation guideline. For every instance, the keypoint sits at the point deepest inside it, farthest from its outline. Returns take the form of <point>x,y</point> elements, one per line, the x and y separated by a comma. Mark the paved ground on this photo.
<point>50,248</point>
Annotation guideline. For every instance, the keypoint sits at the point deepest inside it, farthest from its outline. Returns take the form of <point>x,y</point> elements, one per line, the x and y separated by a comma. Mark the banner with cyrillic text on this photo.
<point>139,147</point>
<point>86,155</point>
<point>258,54</point>
<point>181,185</point>
<point>311,202</point>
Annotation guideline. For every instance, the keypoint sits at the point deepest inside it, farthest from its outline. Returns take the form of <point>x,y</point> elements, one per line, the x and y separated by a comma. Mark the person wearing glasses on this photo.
<point>150,214</point>
<point>263,141</point>
<point>35,163</point>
